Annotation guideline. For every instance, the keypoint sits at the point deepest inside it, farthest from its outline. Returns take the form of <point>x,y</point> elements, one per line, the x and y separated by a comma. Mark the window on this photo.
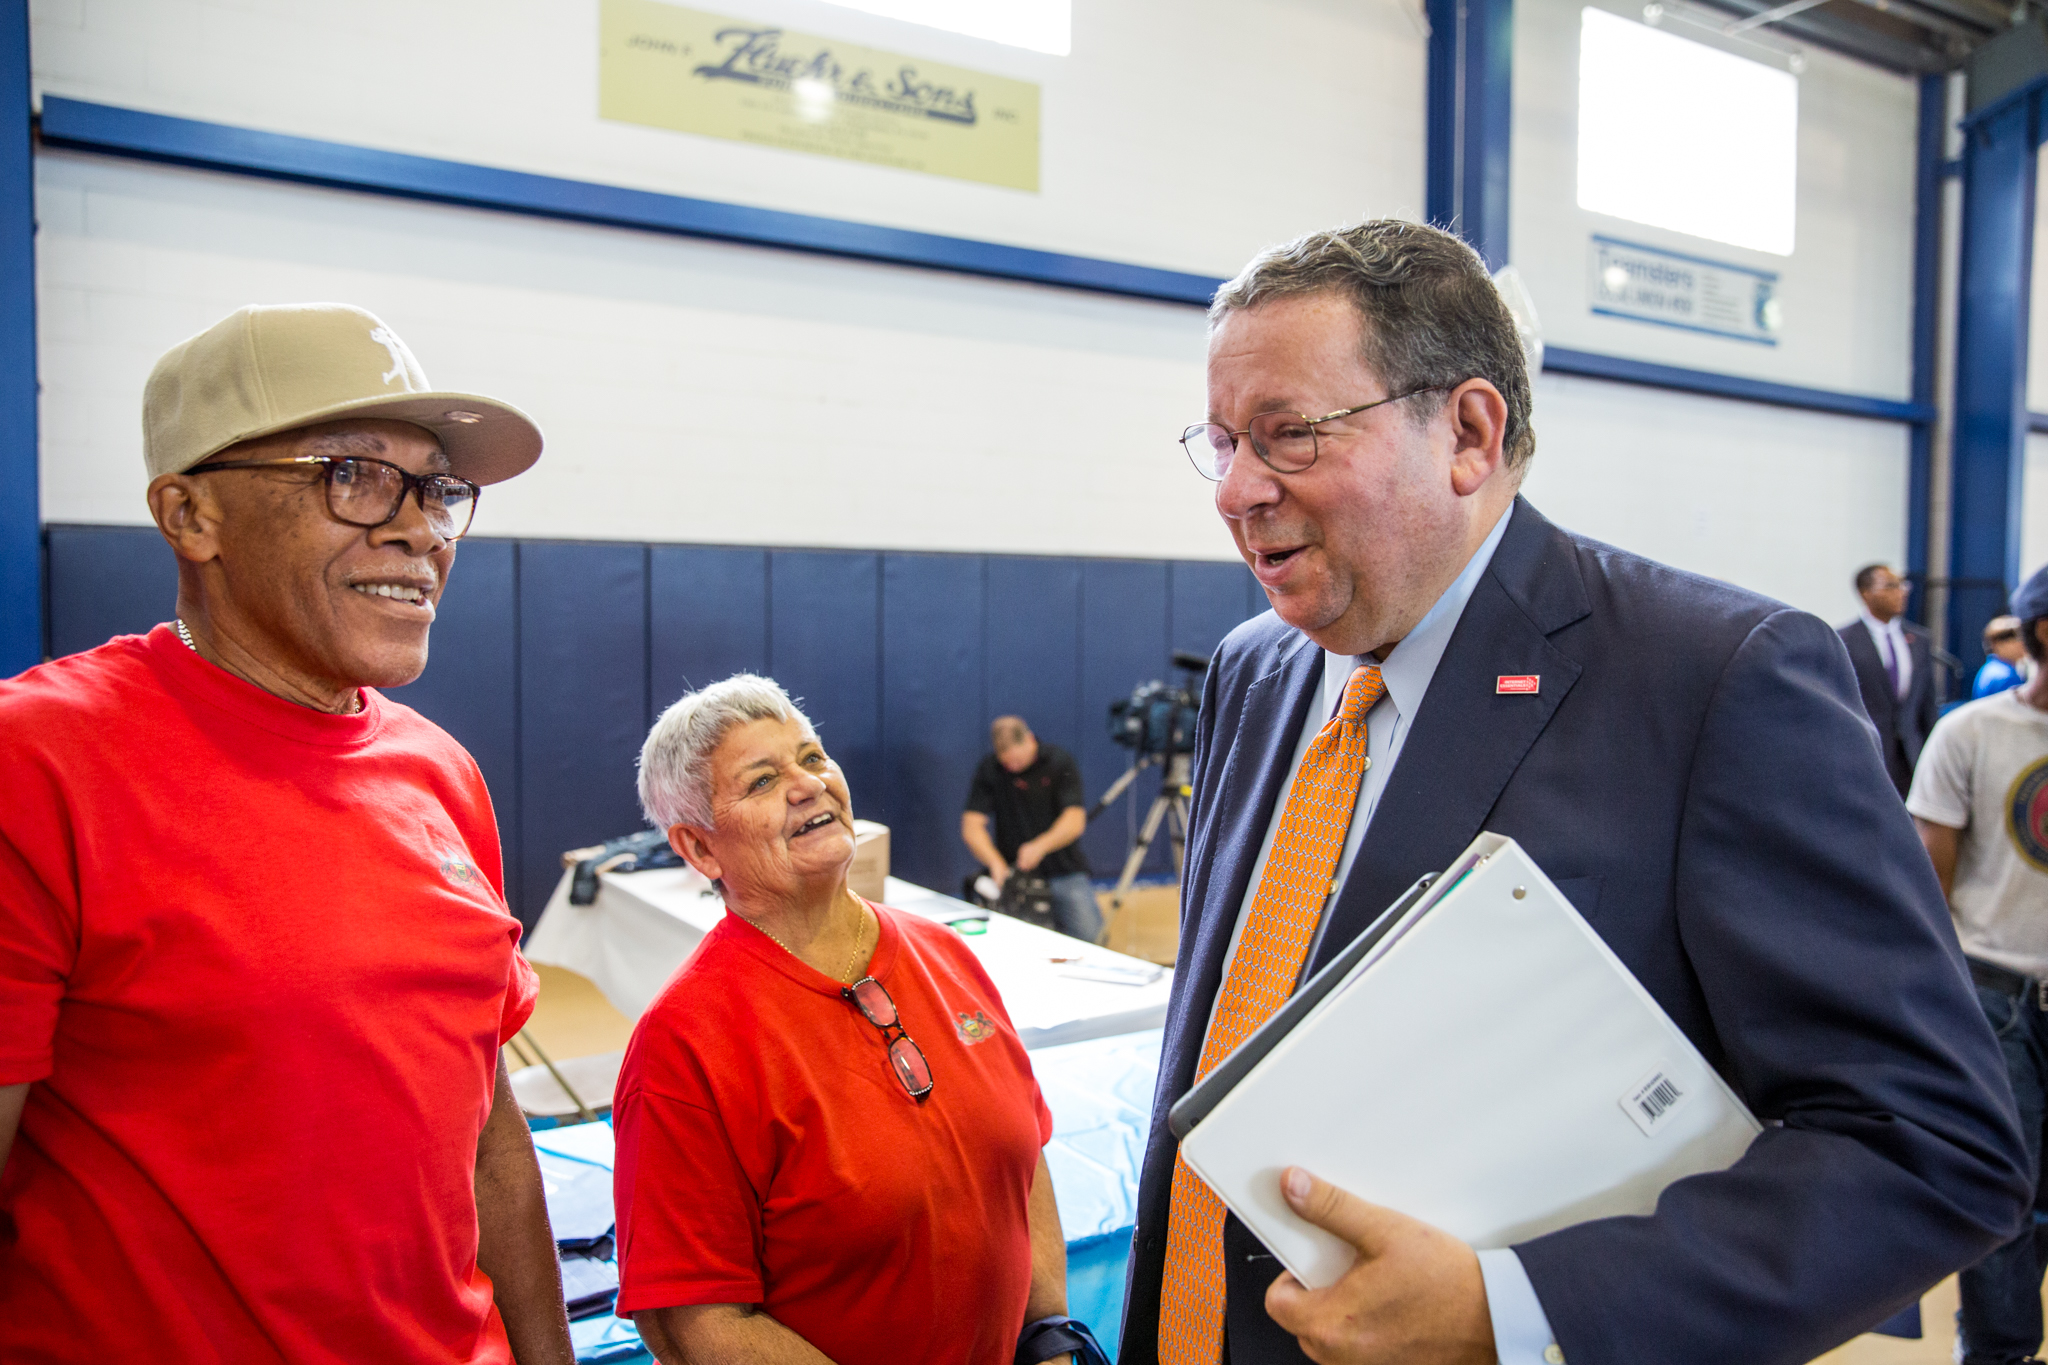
<point>1684,136</point>
<point>1041,25</point>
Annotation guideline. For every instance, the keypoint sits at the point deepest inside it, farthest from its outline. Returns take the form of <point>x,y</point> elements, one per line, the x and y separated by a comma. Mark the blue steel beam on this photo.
<point>21,547</point>
<point>1991,417</point>
<point>1471,113</point>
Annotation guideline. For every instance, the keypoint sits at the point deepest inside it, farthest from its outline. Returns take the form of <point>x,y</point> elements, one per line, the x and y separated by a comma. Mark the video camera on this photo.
<point>1158,718</point>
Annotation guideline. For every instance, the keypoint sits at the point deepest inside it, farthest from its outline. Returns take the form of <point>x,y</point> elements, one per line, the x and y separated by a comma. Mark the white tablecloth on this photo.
<point>642,925</point>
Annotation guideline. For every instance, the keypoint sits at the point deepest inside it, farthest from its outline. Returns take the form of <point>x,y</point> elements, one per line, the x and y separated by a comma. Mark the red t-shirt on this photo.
<point>768,1155</point>
<point>256,961</point>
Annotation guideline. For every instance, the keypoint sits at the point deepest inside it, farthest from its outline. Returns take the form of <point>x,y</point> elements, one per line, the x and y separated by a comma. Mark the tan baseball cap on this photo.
<point>273,367</point>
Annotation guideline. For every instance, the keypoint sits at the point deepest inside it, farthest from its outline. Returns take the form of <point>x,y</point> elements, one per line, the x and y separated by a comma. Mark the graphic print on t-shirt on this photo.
<point>975,1027</point>
<point>2026,813</point>
<point>446,850</point>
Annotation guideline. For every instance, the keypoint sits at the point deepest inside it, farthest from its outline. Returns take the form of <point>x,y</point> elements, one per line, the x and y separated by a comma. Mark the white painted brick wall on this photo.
<point>1180,133</point>
<point>1784,502</point>
<point>1847,288</point>
<point>690,391</point>
<point>701,392</point>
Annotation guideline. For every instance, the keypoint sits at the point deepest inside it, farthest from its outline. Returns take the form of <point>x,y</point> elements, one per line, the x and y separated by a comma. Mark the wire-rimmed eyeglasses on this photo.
<point>906,1058</point>
<point>1285,441</point>
<point>369,493</point>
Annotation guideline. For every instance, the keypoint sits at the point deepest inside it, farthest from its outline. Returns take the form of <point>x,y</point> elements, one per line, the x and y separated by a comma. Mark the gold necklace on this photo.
<point>860,931</point>
<point>185,634</point>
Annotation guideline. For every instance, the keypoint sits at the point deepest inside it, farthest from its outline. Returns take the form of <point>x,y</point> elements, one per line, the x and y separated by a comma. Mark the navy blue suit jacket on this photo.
<point>1902,724</point>
<point>1696,775</point>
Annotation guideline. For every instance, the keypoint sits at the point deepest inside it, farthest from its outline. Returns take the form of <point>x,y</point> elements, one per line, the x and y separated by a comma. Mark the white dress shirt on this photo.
<point>1521,1330</point>
<point>1890,638</point>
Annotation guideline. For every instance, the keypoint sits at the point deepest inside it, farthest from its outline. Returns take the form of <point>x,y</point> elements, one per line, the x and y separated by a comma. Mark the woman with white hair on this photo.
<point>829,1138</point>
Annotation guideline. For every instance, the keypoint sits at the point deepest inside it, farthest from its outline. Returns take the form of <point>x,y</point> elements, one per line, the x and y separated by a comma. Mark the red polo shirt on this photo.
<point>767,1154</point>
<point>256,962</point>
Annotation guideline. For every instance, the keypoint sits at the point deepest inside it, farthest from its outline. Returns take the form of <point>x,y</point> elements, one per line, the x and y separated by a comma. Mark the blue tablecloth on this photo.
<point>1100,1094</point>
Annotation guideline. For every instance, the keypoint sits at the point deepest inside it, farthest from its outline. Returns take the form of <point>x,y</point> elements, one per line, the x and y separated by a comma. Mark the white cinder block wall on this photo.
<point>1787,502</point>
<point>703,392</point>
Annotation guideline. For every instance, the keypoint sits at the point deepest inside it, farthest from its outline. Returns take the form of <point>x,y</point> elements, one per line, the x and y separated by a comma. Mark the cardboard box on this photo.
<point>870,859</point>
<point>1148,925</point>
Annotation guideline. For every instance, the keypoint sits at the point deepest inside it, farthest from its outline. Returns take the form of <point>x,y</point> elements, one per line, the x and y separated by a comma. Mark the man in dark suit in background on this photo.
<point>1893,670</point>
<point>1685,759</point>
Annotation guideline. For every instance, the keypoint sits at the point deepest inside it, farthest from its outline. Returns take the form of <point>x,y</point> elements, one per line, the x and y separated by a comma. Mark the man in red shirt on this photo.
<point>255,963</point>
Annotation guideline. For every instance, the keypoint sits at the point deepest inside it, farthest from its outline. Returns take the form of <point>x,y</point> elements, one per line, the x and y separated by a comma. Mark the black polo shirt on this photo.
<point>1025,805</point>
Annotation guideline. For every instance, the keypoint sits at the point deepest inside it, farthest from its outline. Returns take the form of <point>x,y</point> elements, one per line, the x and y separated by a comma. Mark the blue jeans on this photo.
<point>2000,1319</point>
<point>1074,911</point>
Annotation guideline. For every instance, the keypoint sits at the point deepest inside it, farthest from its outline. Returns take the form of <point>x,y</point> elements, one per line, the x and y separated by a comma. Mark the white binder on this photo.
<point>1480,1060</point>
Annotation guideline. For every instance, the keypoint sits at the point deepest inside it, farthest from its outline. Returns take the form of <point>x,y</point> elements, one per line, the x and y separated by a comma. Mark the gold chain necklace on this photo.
<point>860,932</point>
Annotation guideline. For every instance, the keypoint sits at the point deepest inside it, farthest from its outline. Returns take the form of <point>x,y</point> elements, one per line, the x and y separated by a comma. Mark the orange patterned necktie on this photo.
<point>1298,880</point>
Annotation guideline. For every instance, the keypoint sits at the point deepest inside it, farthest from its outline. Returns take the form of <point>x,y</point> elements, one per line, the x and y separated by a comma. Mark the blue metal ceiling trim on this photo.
<point>1589,364</point>
<point>216,146</point>
<point>1471,116</point>
<point>21,543</point>
<point>1992,421</point>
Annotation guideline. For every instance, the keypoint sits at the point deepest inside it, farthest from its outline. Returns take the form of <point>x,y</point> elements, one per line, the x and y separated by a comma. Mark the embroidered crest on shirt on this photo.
<point>459,870</point>
<point>2026,814</point>
<point>976,1027</point>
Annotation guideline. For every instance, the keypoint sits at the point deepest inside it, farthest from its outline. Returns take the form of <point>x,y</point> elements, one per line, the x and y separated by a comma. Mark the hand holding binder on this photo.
<point>1413,1297</point>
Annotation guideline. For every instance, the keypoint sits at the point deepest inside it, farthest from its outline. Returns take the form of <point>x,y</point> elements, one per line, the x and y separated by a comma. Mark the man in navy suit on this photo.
<point>1688,761</point>
<point>1894,670</point>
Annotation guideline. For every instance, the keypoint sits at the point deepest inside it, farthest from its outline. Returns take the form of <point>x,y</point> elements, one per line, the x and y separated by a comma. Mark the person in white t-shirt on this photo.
<point>1980,800</point>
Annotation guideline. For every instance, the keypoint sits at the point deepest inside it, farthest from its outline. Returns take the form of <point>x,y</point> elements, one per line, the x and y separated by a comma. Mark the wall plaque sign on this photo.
<point>670,67</point>
<point>1650,284</point>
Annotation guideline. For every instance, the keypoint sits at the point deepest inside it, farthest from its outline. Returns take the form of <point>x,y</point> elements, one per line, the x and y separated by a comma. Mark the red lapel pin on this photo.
<point>1516,682</point>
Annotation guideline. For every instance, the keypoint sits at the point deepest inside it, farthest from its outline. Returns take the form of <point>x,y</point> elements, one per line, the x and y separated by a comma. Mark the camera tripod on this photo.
<point>1171,806</point>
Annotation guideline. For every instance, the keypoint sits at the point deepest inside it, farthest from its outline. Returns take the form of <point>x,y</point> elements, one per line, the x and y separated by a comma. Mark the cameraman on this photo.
<point>1033,791</point>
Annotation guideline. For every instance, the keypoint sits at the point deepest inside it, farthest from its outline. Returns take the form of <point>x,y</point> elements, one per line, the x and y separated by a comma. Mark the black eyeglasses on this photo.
<point>369,493</point>
<point>906,1058</point>
<point>1286,441</point>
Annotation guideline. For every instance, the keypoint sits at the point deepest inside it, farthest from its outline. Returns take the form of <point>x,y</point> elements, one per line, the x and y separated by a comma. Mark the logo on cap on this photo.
<point>388,339</point>
<point>1516,682</point>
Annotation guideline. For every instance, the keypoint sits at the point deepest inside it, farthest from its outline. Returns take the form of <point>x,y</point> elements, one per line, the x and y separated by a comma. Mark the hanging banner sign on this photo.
<point>669,67</point>
<point>1652,285</point>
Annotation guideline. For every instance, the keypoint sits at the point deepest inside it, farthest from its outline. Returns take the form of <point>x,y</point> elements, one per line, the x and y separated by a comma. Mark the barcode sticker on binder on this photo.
<point>1651,1100</point>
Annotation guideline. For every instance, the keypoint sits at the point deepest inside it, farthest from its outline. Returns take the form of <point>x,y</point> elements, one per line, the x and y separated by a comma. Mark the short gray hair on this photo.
<point>1432,317</point>
<point>675,762</point>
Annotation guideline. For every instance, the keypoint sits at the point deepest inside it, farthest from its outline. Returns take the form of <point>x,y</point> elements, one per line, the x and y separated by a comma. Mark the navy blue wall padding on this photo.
<point>106,581</point>
<point>1208,601</point>
<point>1124,632</point>
<point>707,617</point>
<point>471,686</point>
<point>825,647</point>
<point>933,712</point>
<point>1033,665</point>
<point>583,702</point>
<point>551,658</point>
